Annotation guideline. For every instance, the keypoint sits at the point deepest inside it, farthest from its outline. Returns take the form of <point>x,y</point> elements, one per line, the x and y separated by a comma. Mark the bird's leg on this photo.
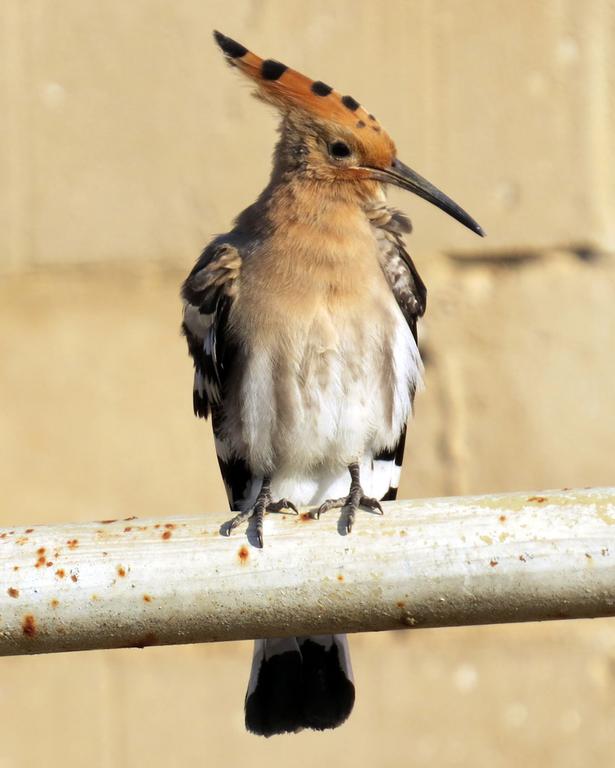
<point>262,505</point>
<point>355,499</point>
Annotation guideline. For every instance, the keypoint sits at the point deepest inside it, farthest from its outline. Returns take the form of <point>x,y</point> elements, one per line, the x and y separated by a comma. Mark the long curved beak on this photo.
<point>404,177</point>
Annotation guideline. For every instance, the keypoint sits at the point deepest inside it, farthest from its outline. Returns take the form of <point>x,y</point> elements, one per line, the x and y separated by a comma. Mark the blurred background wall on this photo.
<point>125,143</point>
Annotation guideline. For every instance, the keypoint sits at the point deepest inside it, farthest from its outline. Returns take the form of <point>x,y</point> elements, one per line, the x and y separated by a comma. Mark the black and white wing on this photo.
<point>411,295</point>
<point>208,293</point>
<point>409,290</point>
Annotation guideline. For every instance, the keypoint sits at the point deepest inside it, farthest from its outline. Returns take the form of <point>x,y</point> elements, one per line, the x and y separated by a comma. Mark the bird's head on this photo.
<point>330,137</point>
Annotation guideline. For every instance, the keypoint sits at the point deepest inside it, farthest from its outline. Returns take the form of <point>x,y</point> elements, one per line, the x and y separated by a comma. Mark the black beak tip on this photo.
<point>403,176</point>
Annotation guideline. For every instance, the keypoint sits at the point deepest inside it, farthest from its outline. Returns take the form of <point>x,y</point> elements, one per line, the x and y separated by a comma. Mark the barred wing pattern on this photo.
<point>208,293</point>
<point>410,293</point>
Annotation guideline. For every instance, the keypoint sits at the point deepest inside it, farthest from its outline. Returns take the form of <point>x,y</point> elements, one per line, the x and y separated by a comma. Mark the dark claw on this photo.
<point>289,505</point>
<point>278,506</point>
<point>331,504</point>
<point>262,505</point>
<point>372,504</point>
<point>351,503</point>
<point>239,518</point>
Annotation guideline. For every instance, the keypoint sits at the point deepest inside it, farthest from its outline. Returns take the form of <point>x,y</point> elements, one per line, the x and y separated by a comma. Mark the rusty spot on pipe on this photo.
<point>305,516</point>
<point>12,592</point>
<point>493,563</point>
<point>243,554</point>
<point>28,625</point>
<point>340,577</point>
<point>121,571</point>
<point>107,522</point>
<point>502,518</point>
<point>538,499</point>
<point>147,598</point>
<point>54,602</point>
<point>166,535</point>
<point>73,543</point>
<point>74,577</point>
<point>60,573</point>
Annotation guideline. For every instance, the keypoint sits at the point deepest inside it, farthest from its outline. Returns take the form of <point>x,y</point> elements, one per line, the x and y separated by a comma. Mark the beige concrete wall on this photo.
<point>124,143</point>
<point>125,132</point>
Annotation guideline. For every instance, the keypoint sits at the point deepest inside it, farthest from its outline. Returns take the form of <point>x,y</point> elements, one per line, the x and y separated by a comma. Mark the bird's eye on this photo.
<point>339,149</point>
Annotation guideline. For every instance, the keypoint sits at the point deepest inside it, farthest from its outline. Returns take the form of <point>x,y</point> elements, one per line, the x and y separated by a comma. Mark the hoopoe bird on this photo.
<point>302,325</point>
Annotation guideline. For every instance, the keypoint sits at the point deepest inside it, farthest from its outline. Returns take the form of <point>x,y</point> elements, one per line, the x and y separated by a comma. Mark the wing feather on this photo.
<point>410,293</point>
<point>402,276</point>
<point>208,293</point>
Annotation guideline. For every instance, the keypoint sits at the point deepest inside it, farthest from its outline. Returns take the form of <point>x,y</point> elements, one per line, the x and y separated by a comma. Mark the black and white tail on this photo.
<point>299,682</point>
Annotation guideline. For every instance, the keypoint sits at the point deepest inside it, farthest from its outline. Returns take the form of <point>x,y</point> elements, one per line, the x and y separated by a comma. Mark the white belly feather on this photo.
<point>316,400</point>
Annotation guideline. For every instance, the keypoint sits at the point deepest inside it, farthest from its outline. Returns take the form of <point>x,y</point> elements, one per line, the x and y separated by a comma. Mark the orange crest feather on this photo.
<point>290,90</point>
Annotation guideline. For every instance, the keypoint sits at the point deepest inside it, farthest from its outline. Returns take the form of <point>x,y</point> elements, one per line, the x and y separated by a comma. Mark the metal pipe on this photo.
<point>426,563</point>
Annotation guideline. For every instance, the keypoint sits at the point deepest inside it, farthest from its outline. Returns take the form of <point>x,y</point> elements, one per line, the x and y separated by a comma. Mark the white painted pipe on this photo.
<point>426,563</point>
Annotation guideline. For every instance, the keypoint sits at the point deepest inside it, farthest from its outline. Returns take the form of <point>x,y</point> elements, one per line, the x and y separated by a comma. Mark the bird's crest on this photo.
<point>359,149</point>
<point>289,91</point>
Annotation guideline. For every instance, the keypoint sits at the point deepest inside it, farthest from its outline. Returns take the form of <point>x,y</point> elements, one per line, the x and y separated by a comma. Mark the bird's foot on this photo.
<point>262,506</point>
<point>351,503</point>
